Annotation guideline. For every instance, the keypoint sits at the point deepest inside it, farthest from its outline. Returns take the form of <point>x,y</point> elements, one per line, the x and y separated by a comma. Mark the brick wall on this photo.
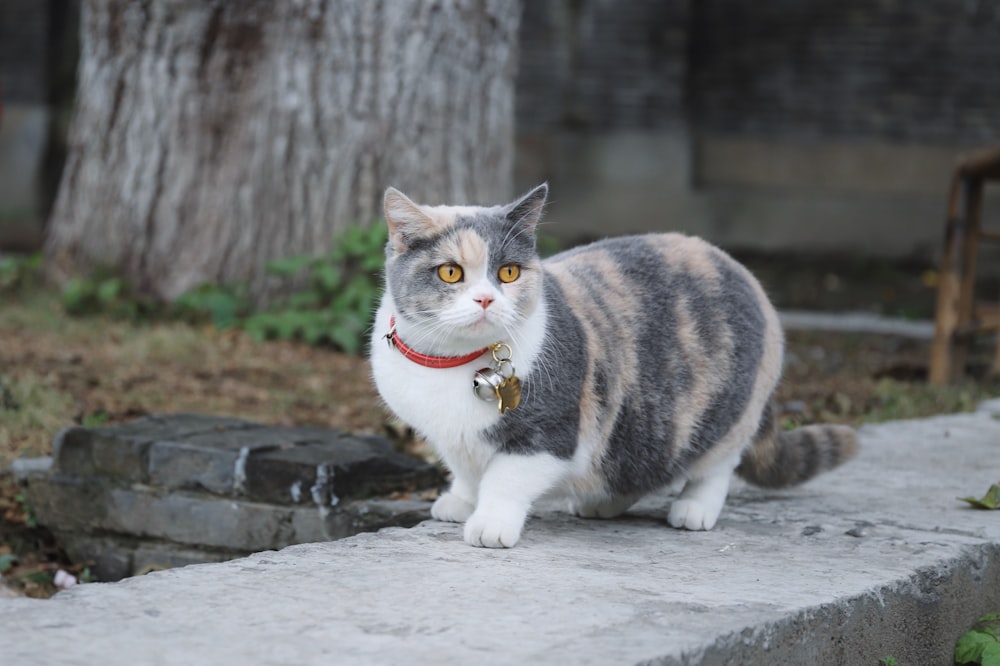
<point>602,64</point>
<point>925,70</point>
<point>895,69</point>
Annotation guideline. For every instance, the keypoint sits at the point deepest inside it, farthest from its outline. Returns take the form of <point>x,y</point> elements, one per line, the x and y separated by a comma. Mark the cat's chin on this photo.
<point>479,333</point>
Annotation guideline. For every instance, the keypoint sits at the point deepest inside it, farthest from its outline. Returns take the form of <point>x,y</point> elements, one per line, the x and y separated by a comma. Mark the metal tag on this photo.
<point>509,394</point>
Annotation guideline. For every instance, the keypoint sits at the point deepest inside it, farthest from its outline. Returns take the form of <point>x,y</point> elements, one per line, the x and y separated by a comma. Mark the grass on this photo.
<point>31,414</point>
<point>865,378</point>
<point>62,370</point>
<point>906,400</point>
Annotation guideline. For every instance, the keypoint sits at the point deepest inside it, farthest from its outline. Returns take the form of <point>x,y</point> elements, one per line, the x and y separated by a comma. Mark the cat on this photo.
<point>640,360</point>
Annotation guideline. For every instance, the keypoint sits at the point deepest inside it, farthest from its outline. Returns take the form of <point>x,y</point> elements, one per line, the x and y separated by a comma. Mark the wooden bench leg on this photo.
<point>972,207</point>
<point>957,281</point>
<point>995,368</point>
<point>992,323</point>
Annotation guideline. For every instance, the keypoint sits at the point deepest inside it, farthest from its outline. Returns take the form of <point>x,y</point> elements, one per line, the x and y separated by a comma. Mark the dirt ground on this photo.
<point>56,371</point>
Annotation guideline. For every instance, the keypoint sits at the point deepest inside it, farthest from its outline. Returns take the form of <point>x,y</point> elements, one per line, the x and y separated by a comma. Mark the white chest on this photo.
<point>440,402</point>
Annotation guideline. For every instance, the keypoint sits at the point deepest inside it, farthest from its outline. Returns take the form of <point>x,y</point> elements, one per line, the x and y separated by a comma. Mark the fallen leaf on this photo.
<point>991,500</point>
<point>7,562</point>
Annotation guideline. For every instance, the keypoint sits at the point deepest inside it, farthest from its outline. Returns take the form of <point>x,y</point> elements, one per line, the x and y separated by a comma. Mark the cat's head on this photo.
<point>463,275</point>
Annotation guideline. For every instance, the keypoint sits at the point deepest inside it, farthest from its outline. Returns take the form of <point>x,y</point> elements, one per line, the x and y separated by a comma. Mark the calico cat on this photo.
<point>598,375</point>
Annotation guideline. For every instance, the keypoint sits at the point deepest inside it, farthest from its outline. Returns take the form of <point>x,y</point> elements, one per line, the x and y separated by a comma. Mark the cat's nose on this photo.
<point>484,300</point>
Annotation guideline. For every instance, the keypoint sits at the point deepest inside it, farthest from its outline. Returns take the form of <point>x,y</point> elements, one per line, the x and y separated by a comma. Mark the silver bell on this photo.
<point>486,383</point>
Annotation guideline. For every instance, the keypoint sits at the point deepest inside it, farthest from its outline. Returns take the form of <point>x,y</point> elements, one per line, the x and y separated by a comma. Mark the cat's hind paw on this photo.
<point>690,514</point>
<point>495,529</point>
<point>610,507</point>
<point>451,508</point>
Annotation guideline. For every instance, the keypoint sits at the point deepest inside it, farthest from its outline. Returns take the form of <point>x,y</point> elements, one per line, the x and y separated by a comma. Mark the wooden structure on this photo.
<point>959,317</point>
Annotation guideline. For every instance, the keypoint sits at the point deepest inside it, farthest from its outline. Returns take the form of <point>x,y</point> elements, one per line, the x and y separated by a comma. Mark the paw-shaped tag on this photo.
<point>509,394</point>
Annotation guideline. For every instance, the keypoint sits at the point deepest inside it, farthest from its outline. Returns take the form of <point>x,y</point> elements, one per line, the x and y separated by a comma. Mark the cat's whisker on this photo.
<point>520,231</point>
<point>429,314</point>
<point>514,228</point>
<point>435,333</point>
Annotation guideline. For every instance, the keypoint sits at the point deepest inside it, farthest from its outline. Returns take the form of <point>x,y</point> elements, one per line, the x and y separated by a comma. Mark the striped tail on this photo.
<point>778,459</point>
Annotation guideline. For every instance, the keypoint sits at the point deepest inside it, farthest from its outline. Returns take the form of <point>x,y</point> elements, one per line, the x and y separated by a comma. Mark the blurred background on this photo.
<point>818,131</point>
<point>39,51</point>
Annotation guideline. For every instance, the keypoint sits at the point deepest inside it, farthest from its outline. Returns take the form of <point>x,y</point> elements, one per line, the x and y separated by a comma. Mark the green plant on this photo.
<point>102,292</point>
<point>19,271</point>
<point>888,661</point>
<point>39,577</point>
<point>225,305</point>
<point>338,300</point>
<point>981,643</point>
<point>95,419</point>
<point>7,562</point>
<point>29,515</point>
<point>333,298</point>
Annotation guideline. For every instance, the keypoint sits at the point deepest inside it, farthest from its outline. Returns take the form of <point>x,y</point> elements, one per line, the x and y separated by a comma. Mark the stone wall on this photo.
<point>24,38</point>
<point>166,491</point>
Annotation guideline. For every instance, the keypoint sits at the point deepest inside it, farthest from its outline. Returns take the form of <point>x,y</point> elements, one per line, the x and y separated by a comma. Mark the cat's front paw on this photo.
<point>499,528</point>
<point>692,514</point>
<point>451,508</point>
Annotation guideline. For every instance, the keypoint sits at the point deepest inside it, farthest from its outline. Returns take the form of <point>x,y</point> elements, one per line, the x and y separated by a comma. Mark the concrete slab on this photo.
<point>856,322</point>
<point>875,559</point>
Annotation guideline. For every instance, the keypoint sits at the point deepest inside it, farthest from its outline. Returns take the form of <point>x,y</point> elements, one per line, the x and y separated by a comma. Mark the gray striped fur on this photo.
<point>778,459</point>
<point>660,356</point>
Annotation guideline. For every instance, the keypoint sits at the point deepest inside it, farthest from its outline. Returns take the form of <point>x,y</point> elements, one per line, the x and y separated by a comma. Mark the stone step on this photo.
<point>875,559</point>
<point>232,457</point>
<point>178,489</point>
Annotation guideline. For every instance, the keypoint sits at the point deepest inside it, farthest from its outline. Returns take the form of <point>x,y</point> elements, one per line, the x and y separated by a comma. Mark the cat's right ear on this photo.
<point>405,219</point>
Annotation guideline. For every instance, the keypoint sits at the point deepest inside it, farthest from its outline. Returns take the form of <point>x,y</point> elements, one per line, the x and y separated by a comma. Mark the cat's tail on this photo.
<point>778,458</point>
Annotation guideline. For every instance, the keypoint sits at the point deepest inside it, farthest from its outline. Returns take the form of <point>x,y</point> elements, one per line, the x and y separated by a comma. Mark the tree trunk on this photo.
<point>213,136</point>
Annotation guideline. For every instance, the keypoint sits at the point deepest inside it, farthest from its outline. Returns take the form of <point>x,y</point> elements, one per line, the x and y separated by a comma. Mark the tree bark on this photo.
<point>213,136</point>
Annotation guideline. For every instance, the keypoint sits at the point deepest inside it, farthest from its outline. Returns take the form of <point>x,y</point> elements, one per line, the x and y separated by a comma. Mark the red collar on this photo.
<point>426,360</point>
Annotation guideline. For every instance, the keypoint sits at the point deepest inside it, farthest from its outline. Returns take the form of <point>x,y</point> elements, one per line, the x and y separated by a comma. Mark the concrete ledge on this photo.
<point>875,559</point>
<point>856,322</point>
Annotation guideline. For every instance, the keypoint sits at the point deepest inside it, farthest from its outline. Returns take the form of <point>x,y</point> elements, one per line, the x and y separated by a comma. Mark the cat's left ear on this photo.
<point>528,209</point>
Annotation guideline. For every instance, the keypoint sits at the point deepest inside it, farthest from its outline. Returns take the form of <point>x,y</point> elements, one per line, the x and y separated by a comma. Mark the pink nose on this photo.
<point>484,301</point>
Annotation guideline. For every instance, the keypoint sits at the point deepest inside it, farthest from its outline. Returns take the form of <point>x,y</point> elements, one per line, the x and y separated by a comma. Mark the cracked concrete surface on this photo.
<point>877,558</point>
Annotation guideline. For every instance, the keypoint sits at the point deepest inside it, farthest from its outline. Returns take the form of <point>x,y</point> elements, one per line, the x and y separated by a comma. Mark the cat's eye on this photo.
<point>450,273</point>
<point>509,273</point>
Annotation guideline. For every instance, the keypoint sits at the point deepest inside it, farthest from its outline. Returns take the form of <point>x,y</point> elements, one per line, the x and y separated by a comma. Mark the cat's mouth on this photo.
<point>482,323</point>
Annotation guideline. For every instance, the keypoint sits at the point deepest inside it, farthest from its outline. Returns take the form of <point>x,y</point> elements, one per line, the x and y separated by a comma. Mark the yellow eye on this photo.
<point>450,273</point>
<point>509,273</point>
